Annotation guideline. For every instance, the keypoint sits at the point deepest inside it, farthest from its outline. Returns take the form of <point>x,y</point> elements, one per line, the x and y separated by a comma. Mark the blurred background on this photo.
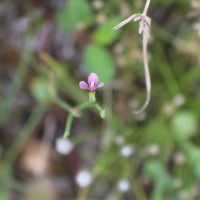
<point>52,45</point>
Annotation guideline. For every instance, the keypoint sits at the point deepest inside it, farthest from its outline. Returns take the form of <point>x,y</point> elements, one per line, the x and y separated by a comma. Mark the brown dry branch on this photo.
<point>144,29</point>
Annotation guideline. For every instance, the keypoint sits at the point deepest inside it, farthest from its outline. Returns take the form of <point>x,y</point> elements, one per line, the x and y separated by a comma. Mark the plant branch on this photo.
<point>147,73</point>
<point>144,29</point>
<point>146,7</point>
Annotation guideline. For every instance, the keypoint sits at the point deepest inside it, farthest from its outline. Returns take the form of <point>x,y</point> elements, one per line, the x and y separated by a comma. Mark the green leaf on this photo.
<point>104,34</point>
<point>4,195</point>
<point>193,155</point>
<point>40,90</point>
<point>98,60</point>
<point>73,14</point>
<point>184,124</point>
<point>103,113</point>
<point>154,169</point>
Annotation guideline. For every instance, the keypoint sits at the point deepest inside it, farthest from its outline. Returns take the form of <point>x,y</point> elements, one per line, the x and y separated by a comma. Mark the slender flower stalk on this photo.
<point>144,29</point>
<point>92,85</point>
<point>68,125</point>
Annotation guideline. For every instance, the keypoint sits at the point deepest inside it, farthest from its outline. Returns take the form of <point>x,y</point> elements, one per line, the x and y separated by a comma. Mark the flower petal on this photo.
<point>93,88</point>
<point>83,85</point>
<point>93,78</point>
<point>100,85</point>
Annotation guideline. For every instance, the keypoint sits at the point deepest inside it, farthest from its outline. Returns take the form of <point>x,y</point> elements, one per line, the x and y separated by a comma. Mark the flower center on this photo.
<point>92,84</point>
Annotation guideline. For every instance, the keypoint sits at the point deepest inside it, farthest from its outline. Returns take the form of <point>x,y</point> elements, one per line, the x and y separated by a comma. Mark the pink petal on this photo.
<point>93,77</point>
<point>83,85</point>
<point>93,88</point>
<point>100,85</point>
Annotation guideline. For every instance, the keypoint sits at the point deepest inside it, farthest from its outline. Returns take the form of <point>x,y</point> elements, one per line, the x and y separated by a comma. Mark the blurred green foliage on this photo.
<point>165,139</point>
<point>74,13</point>
<point>97,64</point>
<point>103,35</point>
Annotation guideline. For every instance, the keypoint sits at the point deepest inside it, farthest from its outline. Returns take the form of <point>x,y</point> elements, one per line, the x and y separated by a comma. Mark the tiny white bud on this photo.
<point>126,151</point>
<point>97,4</point>
<point>123,185</point>
<point>177,183</point>
<point>101,18</point>
<point>119,140</point>
<point>184,195</point>
<point>153,149</point>
<point>141,117</point>
<point>64,146</point>
<point>179,100</point>
<point>83,178</point>
<point>168,109</point>
<point>179,158</point>
<point>119,48</point>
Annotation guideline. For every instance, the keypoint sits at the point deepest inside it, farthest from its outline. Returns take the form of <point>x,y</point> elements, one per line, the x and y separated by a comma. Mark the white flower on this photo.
<point>179,100</point>
<point>177,183</point>
<point>119,140</point>
<point>64,146</point>
<point>126,151</point>
<point>153,149</point>
<point>123,185</point>
<point>97,4</point>
<point>179,158</point>
<point>83,178</point>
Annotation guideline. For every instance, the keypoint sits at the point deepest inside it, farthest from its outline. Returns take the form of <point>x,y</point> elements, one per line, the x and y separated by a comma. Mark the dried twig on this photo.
<point>144,29</point>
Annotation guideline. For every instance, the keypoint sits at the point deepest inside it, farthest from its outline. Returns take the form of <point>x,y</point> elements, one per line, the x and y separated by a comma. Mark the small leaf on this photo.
<point>98,60</point>
<point>74,13</point>
<point>184,124</point>
<point>193,155</point>
<point>103,113</point>
<point>104,34</point>
<point>154,169</point>
<point>4,195</point>
<point>40,90</point>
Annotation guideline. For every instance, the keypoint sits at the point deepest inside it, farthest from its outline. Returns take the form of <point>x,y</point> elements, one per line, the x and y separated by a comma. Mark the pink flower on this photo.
<point>93,83</point>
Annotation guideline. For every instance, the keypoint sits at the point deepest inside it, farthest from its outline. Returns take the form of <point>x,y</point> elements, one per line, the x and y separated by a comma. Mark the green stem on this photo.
<point>25,134</point>
<point>62,103</point>
<point>7,104</point>
<point>158,191</point>
<point>98,107</point>
<point>67,82</point>
<point>85,105</point>
<point>68,125</point>
<point>165,69</point>
<point>25,189</point>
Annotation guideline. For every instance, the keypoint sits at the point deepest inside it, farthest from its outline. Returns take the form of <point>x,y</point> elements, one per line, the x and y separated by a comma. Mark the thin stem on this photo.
<point>66,81</point>
<point>68,126</point>
<point>146,7</point>
<point>84,105</point>
<point>147,73</point>
<point>165,69</point>
<point>25,134</point>
<point>144,27</point>
<point>25,189</point>
<point>98,107</point>
<point>8,104</point>
<point>62,104</point>
<point>51,80</point>
<point>102,111</point>
<point>53,93</point>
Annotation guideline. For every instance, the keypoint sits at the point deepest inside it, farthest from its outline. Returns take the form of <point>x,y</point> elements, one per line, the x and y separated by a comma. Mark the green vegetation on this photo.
<point>47,49</point>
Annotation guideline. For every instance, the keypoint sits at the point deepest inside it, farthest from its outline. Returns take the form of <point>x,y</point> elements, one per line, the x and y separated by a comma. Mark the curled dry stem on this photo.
<point>145,30</point>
